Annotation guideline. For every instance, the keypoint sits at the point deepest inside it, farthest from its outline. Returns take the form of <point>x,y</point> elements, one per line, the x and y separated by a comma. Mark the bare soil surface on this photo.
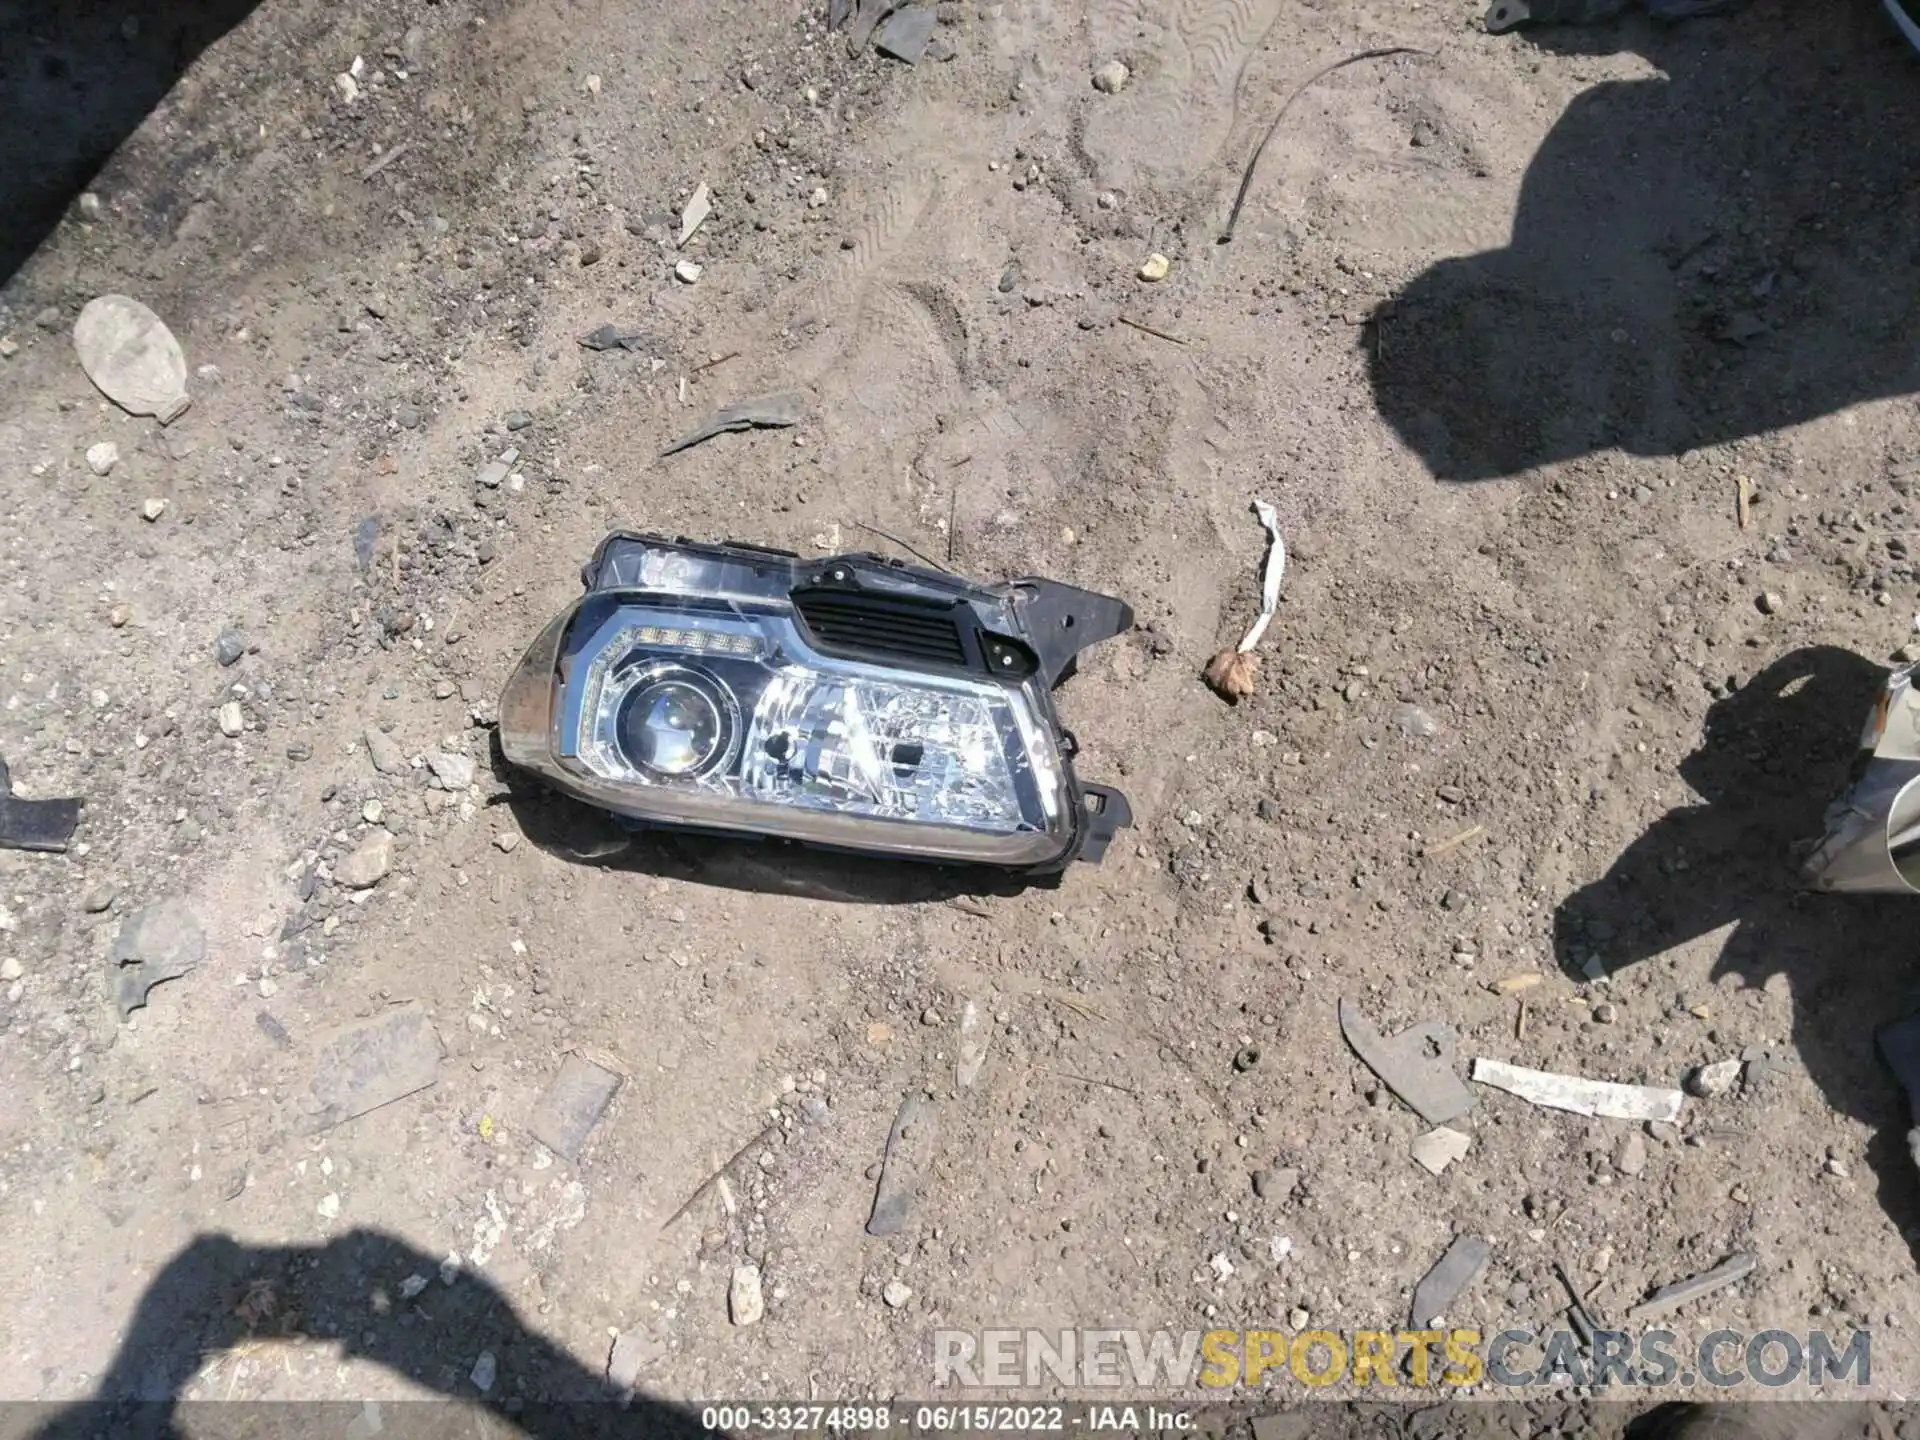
<point>1501,330</point>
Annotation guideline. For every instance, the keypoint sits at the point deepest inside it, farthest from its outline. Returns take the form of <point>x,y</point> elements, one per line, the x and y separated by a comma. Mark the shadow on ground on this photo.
<point>1724,249</point>
<point>1773,754</point>
<point>578,833</point>
<point>219,1295</point>
<point>76,78</point>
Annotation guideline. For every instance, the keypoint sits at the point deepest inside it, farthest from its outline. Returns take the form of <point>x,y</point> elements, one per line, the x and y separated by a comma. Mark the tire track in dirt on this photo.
<point>1170,124</point>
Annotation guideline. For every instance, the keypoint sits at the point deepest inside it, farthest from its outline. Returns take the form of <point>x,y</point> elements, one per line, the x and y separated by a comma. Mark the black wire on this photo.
<point>1246,180</point>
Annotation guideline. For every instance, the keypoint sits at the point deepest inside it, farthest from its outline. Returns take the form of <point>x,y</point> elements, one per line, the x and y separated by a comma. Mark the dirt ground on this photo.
<point>1501,329</point>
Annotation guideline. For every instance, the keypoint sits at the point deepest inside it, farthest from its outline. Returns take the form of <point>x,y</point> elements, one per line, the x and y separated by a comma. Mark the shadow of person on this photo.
<point>75,81</point>
<point>218,1293</point>
<point>1717,251</point>
<point>1773,753</point>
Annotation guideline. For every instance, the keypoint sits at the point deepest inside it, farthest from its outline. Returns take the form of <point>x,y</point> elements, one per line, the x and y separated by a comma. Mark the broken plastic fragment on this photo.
<point>132,358</point>
<point>762,412</point>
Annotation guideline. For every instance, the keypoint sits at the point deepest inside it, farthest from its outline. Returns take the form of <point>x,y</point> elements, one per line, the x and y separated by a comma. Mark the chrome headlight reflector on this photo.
<point>852,702</point>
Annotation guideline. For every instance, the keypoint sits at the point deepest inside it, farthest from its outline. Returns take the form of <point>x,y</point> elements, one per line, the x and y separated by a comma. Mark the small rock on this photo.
<point>368,864</point>
<point>507,840</point>
<point>687,272</point>
<point>413,1286</point>
<point>633,1351</point>
<point>818,198</point>
<point>1837,1167</point>
<point>517,420</point>
<point>99,898</point>
<point>329,1207</point>
<point>1415,723</point>
<point>493,474</point>
<point>1708,1081</point>
<point>103,457</point>
<point>485,1369</point>
<point>1771,602</point>
<point>453,771</point>
<point>1155,267</point>
<point>385,752</point>
<point>1604,1013</point>
<point>11,969</point>
<point>153,507</point>
<point>745,1304</point>
<point>233,720</point>
<point>1631,1157</point>
<point>228,647</point>
<point>1111,78</point>
<point>896,1293</point>
<point>1454,900</point>
<point>1299,1318</point>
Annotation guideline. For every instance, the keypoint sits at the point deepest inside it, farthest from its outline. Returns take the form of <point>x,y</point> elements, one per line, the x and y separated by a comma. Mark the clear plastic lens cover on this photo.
<point>729,701</point>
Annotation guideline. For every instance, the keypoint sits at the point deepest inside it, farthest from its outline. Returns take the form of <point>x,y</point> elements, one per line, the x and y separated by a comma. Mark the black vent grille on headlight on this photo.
<point>883,625</point>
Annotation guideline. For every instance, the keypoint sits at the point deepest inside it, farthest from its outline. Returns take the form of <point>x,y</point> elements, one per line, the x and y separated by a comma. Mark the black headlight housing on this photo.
<point>854,702</point>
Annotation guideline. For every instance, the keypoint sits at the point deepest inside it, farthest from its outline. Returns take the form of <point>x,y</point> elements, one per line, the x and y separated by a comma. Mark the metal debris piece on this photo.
<point>906,33</point>
<point>160,942</point>
<point>1582,1318</point>
<point>132,358</point>
<point>572,1105</point>
<point>612,337</point>
<point>45,825</point>
<point>866,16</point>
<point>1669,1298</point>
<point>899,1179</point>
<point>1417,1064</point>
<point>1505,15</point>
<point>695,215</point>
<point>1581,1096</point>
<point>1439,1148</point>
<point>373,1062</point>
<point>761,412</point>
<point>1466,1257</point>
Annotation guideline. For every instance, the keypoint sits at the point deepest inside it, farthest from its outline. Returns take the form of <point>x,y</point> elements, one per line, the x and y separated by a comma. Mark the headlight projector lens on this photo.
<point>853,702</point>
<point>677,722</point>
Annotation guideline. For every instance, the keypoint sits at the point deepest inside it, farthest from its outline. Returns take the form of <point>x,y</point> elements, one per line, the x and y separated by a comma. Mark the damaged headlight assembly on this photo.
<point>1873,830</point>
<point>852,702</point>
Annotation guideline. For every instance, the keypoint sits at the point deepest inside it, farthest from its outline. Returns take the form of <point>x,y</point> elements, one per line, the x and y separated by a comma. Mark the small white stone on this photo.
<point>1111,78</point>
<point>1155,267</point>
<point>745,1304</point>
<point>233,720</point>
<point>10,970</point>
<point>153,507</point>
<point>687,272</point>
<point>817,198</point>
<point>329,1206</point>
<point>896,1293</point>
<point>348,87</point>
<point>103,457</point>
<point>453,771</point>
<point>484,1371</point>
